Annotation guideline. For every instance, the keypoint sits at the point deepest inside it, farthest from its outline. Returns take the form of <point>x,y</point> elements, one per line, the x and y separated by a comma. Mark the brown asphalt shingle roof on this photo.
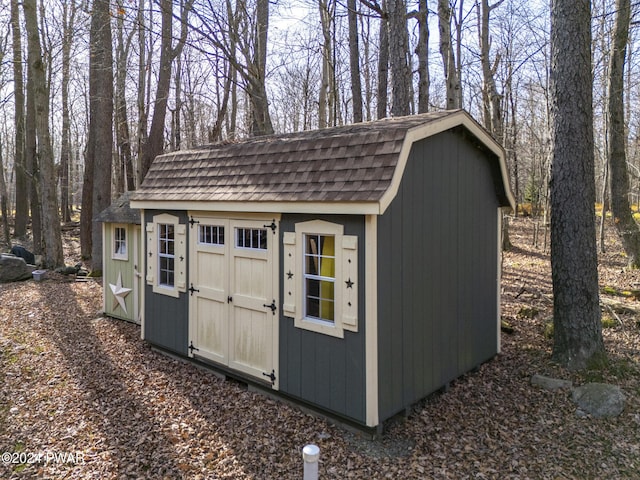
<point>352,163</point>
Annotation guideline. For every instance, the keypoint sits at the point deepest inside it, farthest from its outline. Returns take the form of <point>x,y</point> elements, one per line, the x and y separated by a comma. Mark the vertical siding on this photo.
<point>166,318</point>
<point>111,269</point>
<point>437,272</point>
<point>322,370</point>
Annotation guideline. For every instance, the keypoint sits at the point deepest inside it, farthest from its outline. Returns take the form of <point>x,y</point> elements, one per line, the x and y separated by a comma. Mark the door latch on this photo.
<point>272,306</point>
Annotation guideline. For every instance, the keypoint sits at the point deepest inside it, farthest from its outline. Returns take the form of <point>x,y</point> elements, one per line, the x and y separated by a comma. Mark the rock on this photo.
<point>549,383</point>
<point>600,400</point>
<point>14,269</point>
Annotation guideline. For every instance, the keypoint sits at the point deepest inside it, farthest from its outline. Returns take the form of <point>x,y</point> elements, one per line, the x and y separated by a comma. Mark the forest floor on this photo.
<point>83,397</point>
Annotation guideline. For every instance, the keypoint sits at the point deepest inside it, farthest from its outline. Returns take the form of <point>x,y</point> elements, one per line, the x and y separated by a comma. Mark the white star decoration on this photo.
<point>119,293</point>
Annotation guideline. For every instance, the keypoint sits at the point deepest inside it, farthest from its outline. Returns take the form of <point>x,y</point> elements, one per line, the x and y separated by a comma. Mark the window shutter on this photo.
<point>181,257</point>
<point>350,282</point>
<point>151,253</point>
<point>289,274</point>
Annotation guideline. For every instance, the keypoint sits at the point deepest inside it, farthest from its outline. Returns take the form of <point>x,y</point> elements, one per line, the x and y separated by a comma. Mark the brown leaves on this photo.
<point>75,382</point>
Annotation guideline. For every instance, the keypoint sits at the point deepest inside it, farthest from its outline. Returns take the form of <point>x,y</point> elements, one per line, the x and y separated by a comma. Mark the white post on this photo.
<point>310,455</point>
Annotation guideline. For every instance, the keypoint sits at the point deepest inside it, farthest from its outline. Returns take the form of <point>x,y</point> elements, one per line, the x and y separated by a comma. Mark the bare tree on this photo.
<point>354,61</point>
<point>22,181</point>
<point>100,138</point>
<point>327,99</point>
<point>491,99</point>
<point>422,51</point>
<point>401,91</point>
<point>454,89</point>
<point>51,234</point>
<point>68,23</point>
<point>124,173</point>
<point>620,207</point>
<point>154,143</point>
<point>4,202</point>
<point>577,328</point>
<point>383,63</point>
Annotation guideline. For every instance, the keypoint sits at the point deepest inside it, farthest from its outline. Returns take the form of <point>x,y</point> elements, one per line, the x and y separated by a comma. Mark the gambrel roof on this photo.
<point>348,169</point>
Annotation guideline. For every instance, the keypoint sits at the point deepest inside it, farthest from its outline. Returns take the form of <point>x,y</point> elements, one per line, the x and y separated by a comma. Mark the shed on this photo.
<point>122,259</point>
<point>354,269</point>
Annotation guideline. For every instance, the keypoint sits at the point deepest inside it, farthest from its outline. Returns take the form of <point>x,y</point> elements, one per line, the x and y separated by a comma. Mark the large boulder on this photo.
<point>14,269</point>
<point>599,400</point>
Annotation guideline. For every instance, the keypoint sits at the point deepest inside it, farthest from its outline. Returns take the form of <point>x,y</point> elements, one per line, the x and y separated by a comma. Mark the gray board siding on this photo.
<point>166,319</point>
<point>437,271</point>
<point>326,371</point>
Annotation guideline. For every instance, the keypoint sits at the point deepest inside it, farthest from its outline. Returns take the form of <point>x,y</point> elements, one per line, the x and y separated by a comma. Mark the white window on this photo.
<point>119,251</point>
<point>319,272</point>
<point>211,235</point>
<point>253,238</point>
<point>321,278</point>
<point>166,255</point>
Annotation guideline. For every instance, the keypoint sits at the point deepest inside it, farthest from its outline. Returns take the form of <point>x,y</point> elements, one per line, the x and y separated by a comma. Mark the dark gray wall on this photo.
<point>326,371</point>
<point>437,271</point>
<point>166,319</point>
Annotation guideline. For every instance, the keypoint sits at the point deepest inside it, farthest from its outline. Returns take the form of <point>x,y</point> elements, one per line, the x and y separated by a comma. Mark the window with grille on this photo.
<point>166,254</point>
<point>253,238</point>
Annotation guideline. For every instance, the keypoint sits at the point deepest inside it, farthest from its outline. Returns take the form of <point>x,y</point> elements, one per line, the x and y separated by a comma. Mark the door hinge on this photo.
<point>192,348</point>
<point>192,221</point>
<point>191,289</point>
<point>271,376</point>
<point>272,306</point>
<point>273,226</point>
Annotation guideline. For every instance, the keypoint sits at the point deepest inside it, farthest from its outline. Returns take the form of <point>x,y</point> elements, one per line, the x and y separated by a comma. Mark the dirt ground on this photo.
<point>83,397</point>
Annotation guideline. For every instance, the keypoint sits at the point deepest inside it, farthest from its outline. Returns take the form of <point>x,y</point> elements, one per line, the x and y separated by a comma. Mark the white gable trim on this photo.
<point>433,128</point>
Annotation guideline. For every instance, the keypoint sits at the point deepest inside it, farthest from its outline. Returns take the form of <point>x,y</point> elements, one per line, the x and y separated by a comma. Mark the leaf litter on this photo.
<point>78,383</point>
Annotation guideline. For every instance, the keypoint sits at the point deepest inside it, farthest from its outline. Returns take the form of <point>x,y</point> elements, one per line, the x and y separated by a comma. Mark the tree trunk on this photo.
<point>577,328</point>
<point>68,25</point>
<point>398,52</point>
<point>142,84</point>
<point>4,202</point>
<point>260,117</point>
<point>51,233</point>
<point>124,176</point>
<point>328,96</point>
<point>176,127</point>
<point>621,209</point>
<point>448,60</point>
<point>492,100</point>
<point>100,141</point>
<point>354,61</point>
<point>22,179</point>
<point>383,64</point>
<point>31,163</point>
<point>422,51</point>
<point>154,144</point>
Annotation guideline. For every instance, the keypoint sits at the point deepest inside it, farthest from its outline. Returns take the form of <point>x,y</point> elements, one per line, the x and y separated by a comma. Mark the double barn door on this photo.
<point>233,315</point>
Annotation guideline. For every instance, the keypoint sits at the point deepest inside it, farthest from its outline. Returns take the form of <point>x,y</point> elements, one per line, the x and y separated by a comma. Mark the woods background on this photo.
<point>91,92</point>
